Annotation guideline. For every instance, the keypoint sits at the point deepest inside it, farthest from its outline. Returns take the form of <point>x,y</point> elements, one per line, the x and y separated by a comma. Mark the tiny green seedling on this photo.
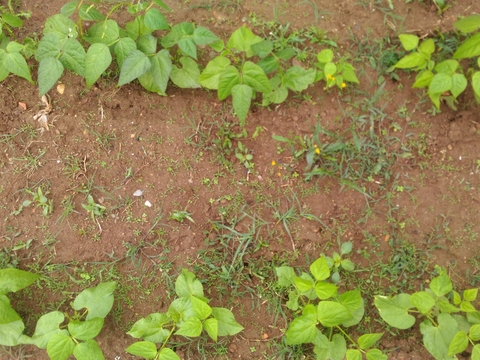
<point>180,216</point>
<point>242,154</point>
<point>41,200</point>
<point>93,208</point>
<point>336,262</point>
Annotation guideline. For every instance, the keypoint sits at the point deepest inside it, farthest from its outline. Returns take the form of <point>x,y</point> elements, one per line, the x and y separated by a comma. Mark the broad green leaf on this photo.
<point>469,48</point>
<point>226,322</point>
<point>458,344</point>
<point>135,65</point>
<point>331,313</point>
<point>441,285</point>
<point>147,44</point>
<point>325,290</point>
<point>12,280</point>
<point>440,83</point>
<point>180,309</point>
<point>187,284</point>
<point>325,56</point>
<point>346,248</point>
<point>395,310</point>
<point>447,67</point>
<point>167,354</point>
<point>201,309</point>
<point>211,327</point>
<point>319,269</point>
<point>427,47</point>
<point>188,75</point>
<point>178,32</point>
<point>269,64</point>
<point>466,306</point>
<point>97,300</point>
<point>151,328</point>
<point>217,46</point>
<point>3,71</point>
<point>69,8</point>
<point>255,77</point>
<point>85,330</point>
<point>375,354</point>
<point>368,340</point>
<point>97,60</point>
<point>354,354</point>
<point>297,78</point>
<point>409,42</point>
<point>423,301</point>
<point>210,76</point>
<point>12,20</point>
<point>348,73</point>
<point>435,97</point>
<point>470,294</point>
<point>73,56</point>
<point>476,83</point>
<point>191,327</point>
<point>162,4</point>
<point>438,338</point>
<point>104,32</point>
<point>302,329</point>
<point>353,302</point>
<point>16,64</point>
<point>304,284</point>
<point>159,73</point>
<point>334,350</point>
<point>49,71</point>
<point>88,350</point>
<point>263,48</point>
<point>123,48</point>
<point>413,60</point>
<point>144,349</point>
<point>474,332</point>
<point>203,36</point>
<point>227,80</point>
<point>276,96</point>
<point>348,265</point>
<point>14,46</point>
<point>61,26</point>
<point>47,326</point>
<point>468,24</point>
<point>423,79</point>
<point>11,324</point>
<point>49,46</point>
<point>155,20</point>
<point>137,28</point>
<point>330,69</point>
<point>459,84</point>
<point>476,352</point>
<point>241,98</point>
<point>187,46</point>
<point>242,39</point>
<point>292,302</point>
<point>90,13</point>
<point>60,347</point>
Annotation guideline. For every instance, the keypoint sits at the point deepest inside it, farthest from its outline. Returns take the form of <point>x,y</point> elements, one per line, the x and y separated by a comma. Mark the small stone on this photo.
<point>138,193</point>
<point>148,203</point>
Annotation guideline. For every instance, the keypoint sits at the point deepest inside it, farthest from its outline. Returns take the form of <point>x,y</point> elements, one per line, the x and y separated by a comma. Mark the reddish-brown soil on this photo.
<point>422,211</point>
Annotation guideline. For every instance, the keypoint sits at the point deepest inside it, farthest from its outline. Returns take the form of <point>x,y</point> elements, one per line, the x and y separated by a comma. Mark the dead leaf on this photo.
<point>22,105</point>
<point>61,88</point>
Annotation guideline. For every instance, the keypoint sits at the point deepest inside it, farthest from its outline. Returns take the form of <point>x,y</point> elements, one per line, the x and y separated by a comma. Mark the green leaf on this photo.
<point>348,73</point>
<point>470,294</point>
<point>354,354</point>
<point>16,64</point>
<point>304,284</point>
<point>14,46</point>
<point>242,39</point>
<point>47,326</point>
<point>123,48</point>
<point>11,324</point>
<point>104,32</point>
<point>375,354</point>
<point>90,13</point>
<point>49,46</point>
<point>159,73</point>
<point>226,322</point>
<point>297,78</point>
<point>325,56</point>
<point>438,338</point>
<point>395,310</point>
<point>151,328</point>
<point>319,269</point>
<point>347,265</point>
<point>440,83</point>
<point>187,284</point>
<point>147,44</point>
<point>458,344</point>
<point>423,79</point>
<point>88,350</point>
<point>331,313</point>
<point>73,56</point>
<point>435,97</point>
<point>469,48</point>
<point>474,332</point>
<point>227,80</point>
<point>69,8</point>
<point>144,349</point>
<point>12,20</point>
<point>186,77</point>
<point>276,96</point>
<point>135,65</point>
<point>447,67</point>
<point>97,60</point>
<point>368,340</point>
<point>191,327</point>
<point>353,302</point>
<point>209,78</point>
<point>334,350</point>
<point>12,280</point>
<point>427,48</point>
<point>459,84</point>
<point>166,353</point>
<point>49,71</point>
<point>3,71</point>
<point>85,330</point>
<point>217,46</point>
<point>203,36</point>
<point>330,69</point>
<point>241,98</point>
<point>201,309</point>
<point>97,300</point>
<point>292,302</point>
<point>325,290</point>
<point>255,77</point>
<point>423,301</point>
<point>155,20</point>
<point>409,42</point>
<point>468,24</point>
<point>441,285</point>
<point>302,329</point>
<point>476,352</point>
<point>476,83</point>
<point>211,327</point>
<point>137,28</point>
<point>178,32</point>
<point>263,48</point>
<point>413,60</point>
<point>60,347</point>
<point>187,46</point>
<point>61,26</point>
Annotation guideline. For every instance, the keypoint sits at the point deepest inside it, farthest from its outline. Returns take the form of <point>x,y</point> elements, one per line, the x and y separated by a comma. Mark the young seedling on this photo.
<point>180,216</point>
<point>93,208</point>
<point>41,200</point>
<point>242,154</point>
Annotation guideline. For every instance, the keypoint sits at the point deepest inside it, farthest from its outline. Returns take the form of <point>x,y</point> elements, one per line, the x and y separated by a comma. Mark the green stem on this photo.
<point>168,337</point>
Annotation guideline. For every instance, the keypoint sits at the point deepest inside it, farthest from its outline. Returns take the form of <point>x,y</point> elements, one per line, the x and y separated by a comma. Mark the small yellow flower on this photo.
<point>279,174</point>
<point>274,163</point>
<point>344,85</point>
<point>332,78</point>
<point>317,150</point>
